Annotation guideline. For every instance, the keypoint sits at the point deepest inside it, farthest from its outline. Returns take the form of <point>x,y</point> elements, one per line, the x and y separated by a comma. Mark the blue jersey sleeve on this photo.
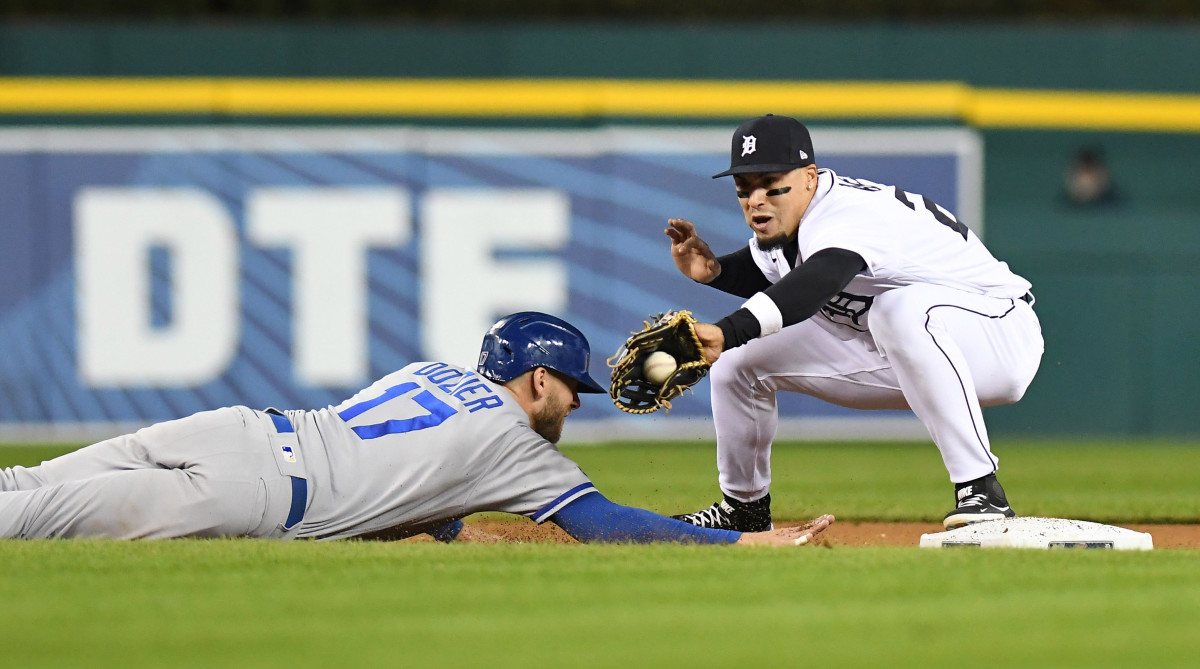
<point>593,518</point>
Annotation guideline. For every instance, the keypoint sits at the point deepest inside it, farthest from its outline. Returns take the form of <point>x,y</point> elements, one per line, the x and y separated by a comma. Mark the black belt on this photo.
<point>299,485</point>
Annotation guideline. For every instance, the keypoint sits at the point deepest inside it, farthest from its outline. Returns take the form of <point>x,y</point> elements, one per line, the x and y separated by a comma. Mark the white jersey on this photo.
<point>427,444</point>
<point>904,238</point>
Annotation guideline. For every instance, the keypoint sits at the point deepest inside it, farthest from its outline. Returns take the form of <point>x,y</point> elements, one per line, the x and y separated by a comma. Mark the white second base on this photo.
<point>1039,533</point>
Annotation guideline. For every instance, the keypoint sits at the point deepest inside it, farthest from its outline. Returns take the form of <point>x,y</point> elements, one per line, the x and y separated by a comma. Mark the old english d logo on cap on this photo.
<point>769,144</point>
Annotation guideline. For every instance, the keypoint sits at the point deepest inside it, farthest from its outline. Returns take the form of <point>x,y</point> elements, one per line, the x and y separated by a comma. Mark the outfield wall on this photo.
<point>1114,283</point>
<point>152,273</point>
<point>1098,56</point>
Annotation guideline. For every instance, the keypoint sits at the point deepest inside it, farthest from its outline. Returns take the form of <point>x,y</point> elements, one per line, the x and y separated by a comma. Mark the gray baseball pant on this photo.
<point>211,474</point>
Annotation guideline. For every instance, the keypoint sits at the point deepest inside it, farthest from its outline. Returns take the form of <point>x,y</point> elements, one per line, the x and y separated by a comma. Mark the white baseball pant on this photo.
<point>941,352</point>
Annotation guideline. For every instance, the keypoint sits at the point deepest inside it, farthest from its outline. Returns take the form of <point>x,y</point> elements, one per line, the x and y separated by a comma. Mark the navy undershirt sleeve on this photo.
<point>739,275</point>
<point>593,518</point>
<point>798,295</point>
<point>448,532</point>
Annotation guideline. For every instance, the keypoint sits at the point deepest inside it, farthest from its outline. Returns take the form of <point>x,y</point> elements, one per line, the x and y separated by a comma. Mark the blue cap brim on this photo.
<point>588,385</point>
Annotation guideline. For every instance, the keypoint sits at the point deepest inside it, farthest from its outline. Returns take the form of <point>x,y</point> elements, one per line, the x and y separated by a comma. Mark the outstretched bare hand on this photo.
<point>788,536</point>
<point>692,255</point>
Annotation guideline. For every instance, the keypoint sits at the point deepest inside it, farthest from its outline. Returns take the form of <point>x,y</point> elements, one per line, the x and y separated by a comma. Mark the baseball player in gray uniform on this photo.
<point>863,295</point>
<point>414,452</point>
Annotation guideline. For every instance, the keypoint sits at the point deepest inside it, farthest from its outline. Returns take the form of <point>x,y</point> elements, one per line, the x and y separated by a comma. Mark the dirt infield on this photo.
<point>841,534</point>
<point>909,534</point>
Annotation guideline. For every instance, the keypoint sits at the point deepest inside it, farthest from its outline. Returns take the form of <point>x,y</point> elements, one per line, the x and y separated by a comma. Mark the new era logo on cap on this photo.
<point>769,144</point>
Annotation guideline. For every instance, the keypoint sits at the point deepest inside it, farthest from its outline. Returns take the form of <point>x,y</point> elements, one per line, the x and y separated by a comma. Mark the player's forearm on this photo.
<point>738,275</point>
<point>794,298</point>
<point>593,518</point>
<point>448,532</point>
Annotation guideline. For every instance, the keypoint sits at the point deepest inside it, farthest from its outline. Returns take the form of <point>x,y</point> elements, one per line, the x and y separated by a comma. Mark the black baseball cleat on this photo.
<point>730,514</point>
<point>978,501</point>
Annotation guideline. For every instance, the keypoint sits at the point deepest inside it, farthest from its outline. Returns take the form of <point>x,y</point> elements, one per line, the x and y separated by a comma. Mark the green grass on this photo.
<point>31,454</point>
<point>266,604</point>
<point>1103,481</point>
<point>1113,481</point>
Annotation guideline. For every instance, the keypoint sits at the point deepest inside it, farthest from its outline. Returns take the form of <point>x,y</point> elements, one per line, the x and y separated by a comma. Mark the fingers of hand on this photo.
<point>818,524</point>
<point>812,529</point>
<point>683,225</point>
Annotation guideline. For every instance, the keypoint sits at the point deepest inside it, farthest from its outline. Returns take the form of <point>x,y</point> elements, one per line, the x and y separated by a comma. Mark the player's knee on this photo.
<point>730,372</point>
<point>722,374</point>
<point>1007,391</point>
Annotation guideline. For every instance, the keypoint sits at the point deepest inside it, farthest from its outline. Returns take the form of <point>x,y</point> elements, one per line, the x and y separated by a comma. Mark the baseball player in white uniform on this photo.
<point>414,452</point>
<point>865,296</point>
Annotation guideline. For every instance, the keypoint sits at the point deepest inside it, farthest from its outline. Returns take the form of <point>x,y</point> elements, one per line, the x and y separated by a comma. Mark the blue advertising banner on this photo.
<point>149,273</point>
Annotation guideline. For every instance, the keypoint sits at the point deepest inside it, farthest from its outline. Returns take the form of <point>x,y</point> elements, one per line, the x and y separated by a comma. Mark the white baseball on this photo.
<point>659,367</point>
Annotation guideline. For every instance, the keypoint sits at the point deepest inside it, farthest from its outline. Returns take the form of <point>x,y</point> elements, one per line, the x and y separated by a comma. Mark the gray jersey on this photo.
<point>423,445</point>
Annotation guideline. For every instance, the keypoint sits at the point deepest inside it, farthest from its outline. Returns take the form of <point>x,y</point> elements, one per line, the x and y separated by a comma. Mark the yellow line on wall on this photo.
<point>599,98</point>
<point>1072,109</point>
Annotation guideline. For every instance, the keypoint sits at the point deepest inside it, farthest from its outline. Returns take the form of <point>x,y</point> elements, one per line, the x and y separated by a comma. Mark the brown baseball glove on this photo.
<point>674,333</point>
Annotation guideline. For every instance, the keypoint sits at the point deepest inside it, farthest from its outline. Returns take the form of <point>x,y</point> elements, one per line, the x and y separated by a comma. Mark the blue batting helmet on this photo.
<point>519,342</point>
